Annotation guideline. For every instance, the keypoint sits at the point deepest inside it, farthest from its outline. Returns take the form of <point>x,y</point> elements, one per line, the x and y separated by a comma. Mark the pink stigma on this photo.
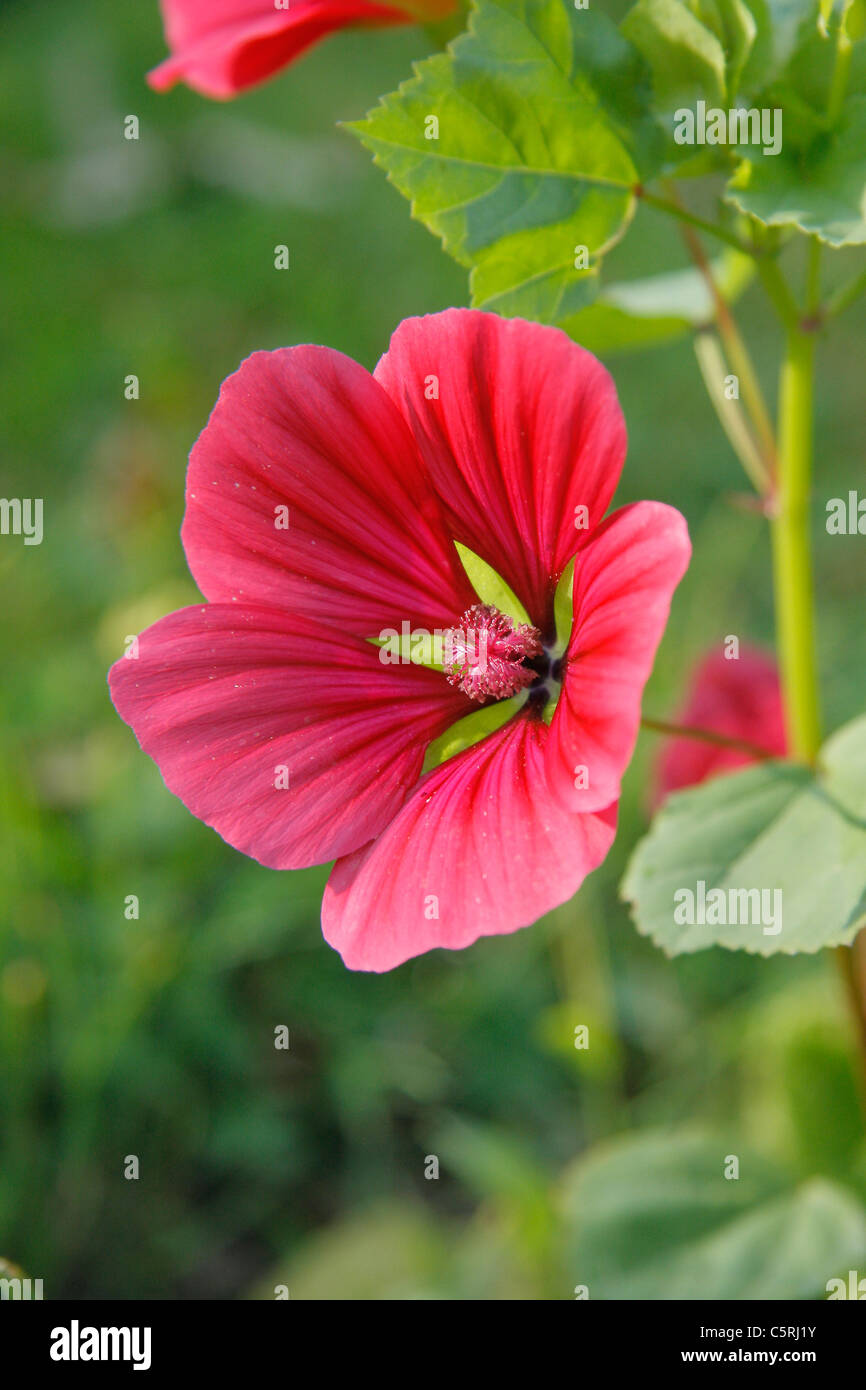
<point>484,656</point>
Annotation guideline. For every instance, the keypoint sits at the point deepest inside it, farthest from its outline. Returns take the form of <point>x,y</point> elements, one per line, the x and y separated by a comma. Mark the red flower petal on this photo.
<point>480,842</point>
<point>739,698</point>
<point>625,576</point>
<point>526,428</point>
<point>220,47</point>
<point>222,696</point>
<point>366,545</point>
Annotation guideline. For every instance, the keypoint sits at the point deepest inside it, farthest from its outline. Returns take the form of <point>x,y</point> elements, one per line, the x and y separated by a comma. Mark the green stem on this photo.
<point>813,277</point>
<point>714,369</point>
<point>852,964</point>
<point>677,210</point>
<point>740,745</point>
<point>776,286</point>
<point>792,560</point>
<point>841,69</point>
<point>738,356</point>
<point>845,296</point>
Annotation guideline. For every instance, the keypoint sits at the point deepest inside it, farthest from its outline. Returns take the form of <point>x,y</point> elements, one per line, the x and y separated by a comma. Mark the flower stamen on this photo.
<point>489,655</point>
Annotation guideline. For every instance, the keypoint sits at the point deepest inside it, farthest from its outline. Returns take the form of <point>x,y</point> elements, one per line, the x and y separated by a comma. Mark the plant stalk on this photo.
<point>792,557</point>
<point>795,618</point>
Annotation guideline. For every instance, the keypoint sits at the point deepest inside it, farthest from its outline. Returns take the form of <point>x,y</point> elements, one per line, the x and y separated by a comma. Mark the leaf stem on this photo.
<point>845,296</point>
<point>732,419</point>
<point>758,455</point>
<point>739,745</point>
<point>677,210</point>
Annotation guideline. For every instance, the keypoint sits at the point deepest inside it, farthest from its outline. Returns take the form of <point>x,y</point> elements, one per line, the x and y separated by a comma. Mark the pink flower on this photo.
<point>220,47</point>
<point>322,509</point>
<point>739,698</point>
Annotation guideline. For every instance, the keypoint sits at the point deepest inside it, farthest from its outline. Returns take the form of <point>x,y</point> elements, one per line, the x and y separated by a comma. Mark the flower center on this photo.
<point>490,656</point>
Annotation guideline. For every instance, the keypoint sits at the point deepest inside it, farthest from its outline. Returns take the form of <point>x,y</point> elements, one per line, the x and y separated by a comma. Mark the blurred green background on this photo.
<point>155,1037</point>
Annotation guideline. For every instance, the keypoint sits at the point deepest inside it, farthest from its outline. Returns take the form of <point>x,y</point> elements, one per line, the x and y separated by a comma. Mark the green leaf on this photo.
<point>818,182</point>
<point>739,33</point>
<point>798,76</point>
<point>782,26</point>
<point>655,1217</point>
<point>799,1073</point>
<point>686,58</point>
<point>855,19</point>
<point>490,1162</point>
<point>393,1251</point>
<point>543,132</point>
<point>505,1175</point>
<point>820,189</point>
<point>803,56</point>
<point>734,26</point>
<point>777,828</point>
<point>824,1099</point>
<point>658,308</point>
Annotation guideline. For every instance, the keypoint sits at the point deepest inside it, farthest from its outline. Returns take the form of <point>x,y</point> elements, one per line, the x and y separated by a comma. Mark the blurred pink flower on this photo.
<point>221,47</point>
<point>323,504</point>
<point>739,698</point>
